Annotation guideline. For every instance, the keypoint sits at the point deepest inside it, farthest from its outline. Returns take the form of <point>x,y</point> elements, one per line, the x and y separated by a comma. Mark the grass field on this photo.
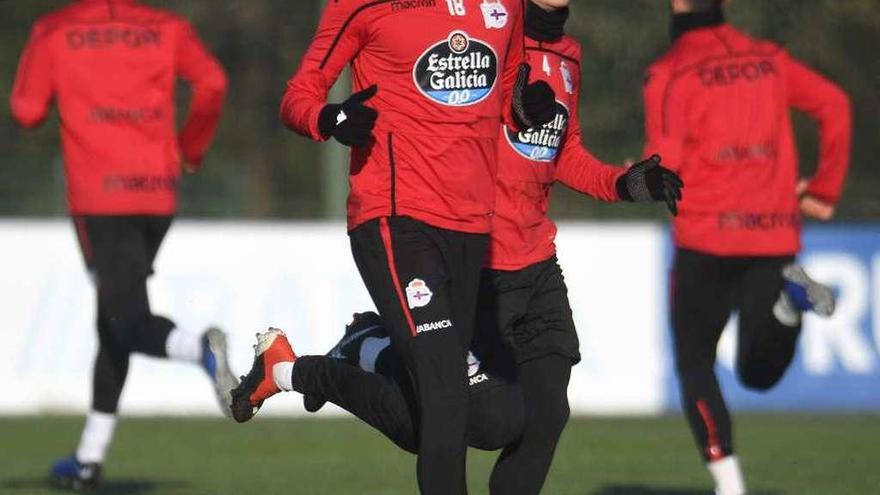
<point>827,455</point>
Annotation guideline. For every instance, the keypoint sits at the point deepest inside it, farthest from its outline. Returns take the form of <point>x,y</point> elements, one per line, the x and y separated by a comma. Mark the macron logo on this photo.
<point>435,325</point>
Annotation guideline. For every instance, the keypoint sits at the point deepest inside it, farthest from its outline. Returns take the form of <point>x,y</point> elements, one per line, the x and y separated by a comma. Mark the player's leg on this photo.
<point>768,325</point>
<point>120,251</point>
<point>370,381</point>
<point>207,348</point>
<point>702,292</point>
<point>82,470</point>
<point>412,271</point>
<point>387,403</point>
<point>496,411</point>
<point>125,248</point>
<point>545,344</point>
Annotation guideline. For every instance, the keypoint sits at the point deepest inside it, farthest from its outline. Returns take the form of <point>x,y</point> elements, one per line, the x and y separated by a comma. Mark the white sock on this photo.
<point>785,312</point>
<point>96,437</point>
<point>728,476</point>
<point>282,373</point>
<point>371,347</point>
<point>184,346</point>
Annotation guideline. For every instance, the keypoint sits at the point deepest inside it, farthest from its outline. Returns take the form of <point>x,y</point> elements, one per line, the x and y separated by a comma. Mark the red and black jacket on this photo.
<point>531,161</point>
<point>112,66</point>
<point>717,110</point>
<point>445,72</point>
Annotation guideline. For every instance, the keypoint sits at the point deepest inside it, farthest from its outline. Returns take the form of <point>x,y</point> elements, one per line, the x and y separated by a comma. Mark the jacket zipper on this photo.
<point>393,174</point>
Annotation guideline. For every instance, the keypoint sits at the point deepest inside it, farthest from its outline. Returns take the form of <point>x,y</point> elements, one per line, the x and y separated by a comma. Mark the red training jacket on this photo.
<point>531,161</point>
<point>112,66</point>
<point>445,72</point>
<point>717,108</point>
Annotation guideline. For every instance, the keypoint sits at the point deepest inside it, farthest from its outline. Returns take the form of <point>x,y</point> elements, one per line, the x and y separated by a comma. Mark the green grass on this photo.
<point>781,454</point>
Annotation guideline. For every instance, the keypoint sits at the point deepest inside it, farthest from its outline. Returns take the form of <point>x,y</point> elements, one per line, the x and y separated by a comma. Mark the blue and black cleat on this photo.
<point>805,293</point>
<point>362,326</point>
<point>216,364</point>
<point>70,474</point>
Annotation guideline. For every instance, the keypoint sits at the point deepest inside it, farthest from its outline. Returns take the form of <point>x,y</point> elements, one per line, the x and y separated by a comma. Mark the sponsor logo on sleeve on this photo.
<point>542,144</point>
<point>418,294</point>
<point>458,71</point>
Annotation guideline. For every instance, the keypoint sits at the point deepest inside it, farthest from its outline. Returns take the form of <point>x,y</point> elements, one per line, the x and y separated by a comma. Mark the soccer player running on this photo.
<point>717,107</point>
<point>432,82</point>
<point>522,296</point>
<point>112,65</point>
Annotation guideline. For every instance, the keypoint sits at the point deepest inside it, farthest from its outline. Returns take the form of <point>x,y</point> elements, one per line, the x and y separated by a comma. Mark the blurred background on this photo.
<point>258,169</point>
<point>262,242</point>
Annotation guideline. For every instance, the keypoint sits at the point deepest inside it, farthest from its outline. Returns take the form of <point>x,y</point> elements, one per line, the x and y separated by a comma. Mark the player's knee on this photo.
<point>757,379</point>
<point>553,418</point>
<point>493,428</point>
<point>407,442</point>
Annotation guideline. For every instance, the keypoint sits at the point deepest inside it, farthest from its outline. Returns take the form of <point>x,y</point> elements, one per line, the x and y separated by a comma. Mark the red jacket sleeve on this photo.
<point>516,56</point>
<point>339,37</point>
<point>823,100</point>
<point>665,119</point>
<point>203,72</point>
<point>33,89</point>
<point>578,169</point>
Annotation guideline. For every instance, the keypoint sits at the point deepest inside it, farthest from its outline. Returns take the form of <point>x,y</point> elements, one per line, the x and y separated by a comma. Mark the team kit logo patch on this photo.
<point>458,71</point>
<point>418,294</point>
<point>494,14</point>
<point>542,144</point>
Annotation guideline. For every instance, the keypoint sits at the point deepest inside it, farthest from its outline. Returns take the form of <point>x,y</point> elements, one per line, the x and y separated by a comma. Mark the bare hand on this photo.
<point>811,206</point>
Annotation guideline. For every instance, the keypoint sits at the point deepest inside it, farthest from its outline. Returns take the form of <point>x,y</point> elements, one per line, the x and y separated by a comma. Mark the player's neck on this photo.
<point>545,25</point>
<point>684,22</point>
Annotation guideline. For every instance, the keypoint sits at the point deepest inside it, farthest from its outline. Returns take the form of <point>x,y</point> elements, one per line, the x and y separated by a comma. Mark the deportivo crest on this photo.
<point>567,80</point>
<point>494,14</point>
<point>418,294</point>
<point>541,145</point>
<point>458,71</point>
<point>473,364</point>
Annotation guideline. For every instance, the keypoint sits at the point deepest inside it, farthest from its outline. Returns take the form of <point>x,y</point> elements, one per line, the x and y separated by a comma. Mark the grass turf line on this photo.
<point>781,454</point>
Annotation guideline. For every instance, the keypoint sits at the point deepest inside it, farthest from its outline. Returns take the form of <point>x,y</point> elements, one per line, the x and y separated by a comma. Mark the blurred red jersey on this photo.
<point>112,66</point>
<point>445,72</point>
<point>718,111</point>
<point>531,161</point>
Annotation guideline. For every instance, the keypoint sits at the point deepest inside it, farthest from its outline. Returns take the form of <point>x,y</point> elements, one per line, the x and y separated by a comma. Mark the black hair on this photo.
<point>704,5</point>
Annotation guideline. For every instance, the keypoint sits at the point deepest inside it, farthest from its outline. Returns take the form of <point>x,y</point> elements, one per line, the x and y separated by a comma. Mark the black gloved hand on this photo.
<point>533,104</point>
<point>649,181</point>
<point>350,122</point>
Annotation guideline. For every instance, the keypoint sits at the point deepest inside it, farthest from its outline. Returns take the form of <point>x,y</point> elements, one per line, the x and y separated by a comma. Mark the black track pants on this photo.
<point>119,251</point>
<point>424,282</point>
<point>522,467</point>
<point>706,289</point>
<point>385,400</point>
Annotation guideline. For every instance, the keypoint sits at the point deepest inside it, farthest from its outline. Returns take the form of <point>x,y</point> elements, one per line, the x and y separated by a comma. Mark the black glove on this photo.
<point>350,122</point>
<point>649,181</point>
<point>533,104</point>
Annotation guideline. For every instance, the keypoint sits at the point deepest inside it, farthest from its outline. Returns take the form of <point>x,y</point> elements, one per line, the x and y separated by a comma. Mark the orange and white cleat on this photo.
<point>258,385</point>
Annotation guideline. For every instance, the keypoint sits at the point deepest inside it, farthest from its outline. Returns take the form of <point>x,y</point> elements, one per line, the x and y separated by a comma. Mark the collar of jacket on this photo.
<point>683,23</point>
<point>542,25</point>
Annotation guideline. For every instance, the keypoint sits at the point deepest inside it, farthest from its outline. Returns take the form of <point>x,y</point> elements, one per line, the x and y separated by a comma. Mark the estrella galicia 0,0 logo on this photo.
<point>542,144</point>
<point>457,71</point>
